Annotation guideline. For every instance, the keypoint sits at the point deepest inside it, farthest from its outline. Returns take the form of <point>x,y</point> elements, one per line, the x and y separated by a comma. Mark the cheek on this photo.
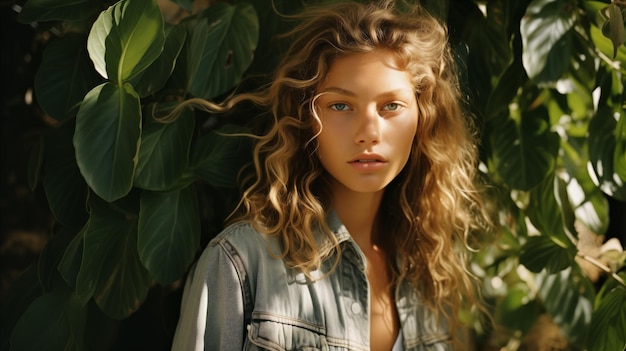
<point>332,132</point>
<point>405,134</point>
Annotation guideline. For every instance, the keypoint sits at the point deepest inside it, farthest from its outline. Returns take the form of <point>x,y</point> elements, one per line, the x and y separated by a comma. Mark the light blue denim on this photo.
<point>285,310</point>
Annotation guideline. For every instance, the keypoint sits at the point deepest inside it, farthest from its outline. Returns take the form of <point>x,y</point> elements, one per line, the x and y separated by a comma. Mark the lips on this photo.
<point>367,158</point>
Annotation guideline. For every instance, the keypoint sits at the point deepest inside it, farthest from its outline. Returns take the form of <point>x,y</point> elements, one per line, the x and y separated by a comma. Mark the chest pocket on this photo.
<point>270,332</point>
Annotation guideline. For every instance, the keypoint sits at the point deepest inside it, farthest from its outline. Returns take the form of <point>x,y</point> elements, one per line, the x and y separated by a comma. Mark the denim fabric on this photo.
<point>286,310</point>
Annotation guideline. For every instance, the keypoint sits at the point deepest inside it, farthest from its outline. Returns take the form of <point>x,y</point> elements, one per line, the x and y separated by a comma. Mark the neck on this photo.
<point>358,212</point>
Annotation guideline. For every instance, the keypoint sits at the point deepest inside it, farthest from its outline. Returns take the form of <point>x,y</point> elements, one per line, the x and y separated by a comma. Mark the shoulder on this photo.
<point>241,241</point>
<point>242,235</point>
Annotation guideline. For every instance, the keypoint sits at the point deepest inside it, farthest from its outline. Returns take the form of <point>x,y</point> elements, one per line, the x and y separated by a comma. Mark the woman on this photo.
<point>349,236</point>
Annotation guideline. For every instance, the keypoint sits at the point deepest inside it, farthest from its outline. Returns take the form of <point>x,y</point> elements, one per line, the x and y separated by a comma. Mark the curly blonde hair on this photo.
<point>430,207</point>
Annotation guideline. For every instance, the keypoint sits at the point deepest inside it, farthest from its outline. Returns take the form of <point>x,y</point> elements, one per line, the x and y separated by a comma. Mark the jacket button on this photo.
<point>356,308</point>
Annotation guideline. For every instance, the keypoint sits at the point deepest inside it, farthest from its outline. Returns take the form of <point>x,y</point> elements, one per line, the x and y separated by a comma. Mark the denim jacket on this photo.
<point>240,297</point>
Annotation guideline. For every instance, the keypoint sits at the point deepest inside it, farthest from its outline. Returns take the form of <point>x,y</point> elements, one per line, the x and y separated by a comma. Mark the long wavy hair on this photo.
<point>429,209</point>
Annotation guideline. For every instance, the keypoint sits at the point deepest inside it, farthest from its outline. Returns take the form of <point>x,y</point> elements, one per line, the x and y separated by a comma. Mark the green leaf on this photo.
<point>602,152</point>
<point>568,297</point>
<point>64,77</point>
<point>589,203</point>
<point>273,24</point>
<point>126,39</point>
<point>524,147</point>
<point>608,327</point>
<point>15,301</point>
<point>491,42</point>
<point>155,76</point>
<point>619,157</point>
<point>219,157</point>
<point>51,256</point>
<point>107,137</point>
<point>44,325</point>
<point>546,31</point>
<point>111,271</point>
<point>96,332</point>
<point>518,310</point>
<point>546,213</point>
<point>616,23</point>
<point>169,232</point>
<point>506,89</point>
<point>221,48</point>
<point>164,152</point>
<point>65,187</point>
<point>542,252</point>
<point>62,323</point>
<point>605,45</point>
<point>57,10</point>
<point>72,258</point>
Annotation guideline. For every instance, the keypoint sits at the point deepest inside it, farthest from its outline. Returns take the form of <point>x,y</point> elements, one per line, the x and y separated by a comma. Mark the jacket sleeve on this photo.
<point>212,311</point>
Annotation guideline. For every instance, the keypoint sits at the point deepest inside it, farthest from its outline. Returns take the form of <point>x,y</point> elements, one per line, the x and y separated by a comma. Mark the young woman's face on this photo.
<point>368,113</point>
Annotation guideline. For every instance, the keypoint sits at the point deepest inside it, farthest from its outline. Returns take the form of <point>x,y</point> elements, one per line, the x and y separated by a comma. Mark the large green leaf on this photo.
<point>169,232</point>
<point>65,187</point>
<point>16,299</point>
<point>221,48</point>
<point>126,39</point>
<point>545,213</point>
<point>587,200</point>
<point>506,89</point>
<point>44,325</point>
<point>57,10</point>
<point>524,147</point>
<point>51,255</point>
<point>111,271</point>
<point>490,41</point>
<point>64,77</point>
<point>568,297</point>
<point>546,31</point>
<point>155,76</point>
<point>615,26</point>
<point>608,327</point>
<point>107,137</point>
<point>518,310</point>
<point>219,156</point>
<point>542,252</point>
<point>72,259</point>
<point>273,23</point>
<point>60,322</point>
<point>90,328</point>
<point>164,152</point>
<point>602,152</point>
<point>619,157</point>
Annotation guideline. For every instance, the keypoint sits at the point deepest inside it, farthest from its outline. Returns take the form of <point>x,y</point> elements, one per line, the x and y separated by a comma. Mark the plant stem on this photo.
<point>603,267</point>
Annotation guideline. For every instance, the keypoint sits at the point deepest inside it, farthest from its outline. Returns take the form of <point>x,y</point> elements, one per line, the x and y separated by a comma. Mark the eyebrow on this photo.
<point>346,92</point>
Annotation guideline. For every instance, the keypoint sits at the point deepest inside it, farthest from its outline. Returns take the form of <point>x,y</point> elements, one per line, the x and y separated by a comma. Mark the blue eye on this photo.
<point>391,107</point>
<point>339,107</point>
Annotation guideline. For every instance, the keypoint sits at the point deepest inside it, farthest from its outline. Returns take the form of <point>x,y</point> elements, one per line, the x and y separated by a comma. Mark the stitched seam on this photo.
<point>244,282</point>
<point>272,317</point>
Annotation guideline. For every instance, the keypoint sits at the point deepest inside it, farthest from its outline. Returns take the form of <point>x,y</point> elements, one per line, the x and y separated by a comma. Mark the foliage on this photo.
<point>136,198</point>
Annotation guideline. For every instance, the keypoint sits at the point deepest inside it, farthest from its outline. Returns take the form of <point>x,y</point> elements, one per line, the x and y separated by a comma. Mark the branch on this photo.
<point>603,267</point>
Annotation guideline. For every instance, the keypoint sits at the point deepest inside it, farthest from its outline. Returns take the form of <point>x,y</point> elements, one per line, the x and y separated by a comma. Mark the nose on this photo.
<point>368,128</point>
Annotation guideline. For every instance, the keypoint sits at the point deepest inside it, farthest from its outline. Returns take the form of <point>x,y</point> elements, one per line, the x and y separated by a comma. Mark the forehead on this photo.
<point>376,69</point>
